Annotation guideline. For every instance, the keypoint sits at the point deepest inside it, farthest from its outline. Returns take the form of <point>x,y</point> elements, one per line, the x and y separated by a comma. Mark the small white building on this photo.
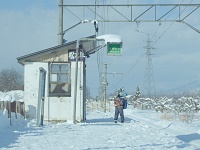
<point>59,62</point>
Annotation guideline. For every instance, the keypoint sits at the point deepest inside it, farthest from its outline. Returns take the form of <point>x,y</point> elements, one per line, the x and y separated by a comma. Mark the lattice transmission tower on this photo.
<point>150,87</point>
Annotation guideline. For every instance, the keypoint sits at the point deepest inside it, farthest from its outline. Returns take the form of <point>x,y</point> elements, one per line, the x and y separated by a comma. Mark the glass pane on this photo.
<point>59,88</point>
<point>55,68</point>
<point>54,77</point>
<point>63,78</point>
<point>64,68</point>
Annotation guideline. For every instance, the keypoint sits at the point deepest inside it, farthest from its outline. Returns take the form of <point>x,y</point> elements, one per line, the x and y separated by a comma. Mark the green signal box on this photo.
<point>114,49</point>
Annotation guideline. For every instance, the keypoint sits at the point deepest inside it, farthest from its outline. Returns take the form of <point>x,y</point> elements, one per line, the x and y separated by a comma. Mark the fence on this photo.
<point>97,105</point>
<point>16,107</point>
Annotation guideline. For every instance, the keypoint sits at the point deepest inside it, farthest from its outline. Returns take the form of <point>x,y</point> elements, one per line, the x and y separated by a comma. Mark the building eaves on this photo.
<point>24,58</point>
<point>42,52</point>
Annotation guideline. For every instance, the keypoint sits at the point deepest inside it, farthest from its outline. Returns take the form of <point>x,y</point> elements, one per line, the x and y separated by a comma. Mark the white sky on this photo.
<point>27,27</point>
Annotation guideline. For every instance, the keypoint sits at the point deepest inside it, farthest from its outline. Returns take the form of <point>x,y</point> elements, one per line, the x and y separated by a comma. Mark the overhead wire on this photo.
<point>142,55</point>
<point>171,23</point>
<point>127,73</point>
<point>98,55</point>
<point>190,85</point>
<point>186,87</point>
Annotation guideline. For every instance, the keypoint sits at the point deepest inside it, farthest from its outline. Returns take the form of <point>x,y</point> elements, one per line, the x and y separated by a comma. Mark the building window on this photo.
<point>60,80</point>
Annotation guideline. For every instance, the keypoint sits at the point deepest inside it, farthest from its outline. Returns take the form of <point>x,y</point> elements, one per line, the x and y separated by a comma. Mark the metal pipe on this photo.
<point>75,84</point>
<point>60,26</point>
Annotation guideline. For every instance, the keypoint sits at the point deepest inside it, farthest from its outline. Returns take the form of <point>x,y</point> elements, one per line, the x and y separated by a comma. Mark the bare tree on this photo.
<point>11,79</point>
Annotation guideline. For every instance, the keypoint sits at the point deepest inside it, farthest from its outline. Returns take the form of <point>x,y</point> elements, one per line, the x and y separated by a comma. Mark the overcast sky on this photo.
<point>30,26</point>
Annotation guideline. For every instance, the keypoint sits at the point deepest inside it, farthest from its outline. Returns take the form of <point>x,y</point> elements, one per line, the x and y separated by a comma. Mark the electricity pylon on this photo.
<point>149,75</point>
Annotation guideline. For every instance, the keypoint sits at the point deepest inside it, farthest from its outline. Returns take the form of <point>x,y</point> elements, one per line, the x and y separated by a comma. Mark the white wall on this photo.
<point>55,108</point>
<point>79,98</point>
<point>31,84</point>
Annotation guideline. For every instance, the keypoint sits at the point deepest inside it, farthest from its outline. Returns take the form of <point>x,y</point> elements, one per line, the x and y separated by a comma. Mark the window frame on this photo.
<point>59,83</point>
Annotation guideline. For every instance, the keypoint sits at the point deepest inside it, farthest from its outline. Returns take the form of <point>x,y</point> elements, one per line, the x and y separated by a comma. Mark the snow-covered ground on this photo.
<point>143,130</point>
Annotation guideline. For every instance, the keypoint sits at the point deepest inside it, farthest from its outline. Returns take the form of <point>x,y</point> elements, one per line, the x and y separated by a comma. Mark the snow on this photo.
<point>16,95</point>
<point>142,130</point>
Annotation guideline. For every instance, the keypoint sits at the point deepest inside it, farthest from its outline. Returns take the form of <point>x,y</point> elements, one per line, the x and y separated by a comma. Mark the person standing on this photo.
<point>118,110</point>
<point>118,95</point>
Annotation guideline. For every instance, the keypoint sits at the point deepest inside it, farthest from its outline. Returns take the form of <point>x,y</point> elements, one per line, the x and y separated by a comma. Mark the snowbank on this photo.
<point>16,95</point>
<point>16,121</point>
<point>4,121</point>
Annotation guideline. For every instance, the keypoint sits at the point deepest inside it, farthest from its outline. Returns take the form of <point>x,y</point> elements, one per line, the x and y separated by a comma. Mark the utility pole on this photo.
<point>60,25</point>
<point>105,84</point>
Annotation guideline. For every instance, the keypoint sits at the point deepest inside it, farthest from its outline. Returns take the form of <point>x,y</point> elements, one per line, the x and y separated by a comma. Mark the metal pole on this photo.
<point>39,101</point>
<point>42,112</point>
<point>41,95</point>
<point>105,84</point>
<point>75,83</point>
<point>60,27</point>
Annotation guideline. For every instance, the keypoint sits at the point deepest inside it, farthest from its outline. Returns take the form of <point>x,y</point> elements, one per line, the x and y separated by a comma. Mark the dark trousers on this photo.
<point>117,112</point>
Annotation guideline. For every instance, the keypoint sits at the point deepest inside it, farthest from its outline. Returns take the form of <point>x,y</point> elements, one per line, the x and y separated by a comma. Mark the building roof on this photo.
<point>85,45</point>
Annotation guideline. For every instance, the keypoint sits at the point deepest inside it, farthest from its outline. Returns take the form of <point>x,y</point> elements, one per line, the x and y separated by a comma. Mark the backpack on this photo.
<point>125,103</point>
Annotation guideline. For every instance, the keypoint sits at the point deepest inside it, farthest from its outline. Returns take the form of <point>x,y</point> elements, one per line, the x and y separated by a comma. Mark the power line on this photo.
<point>128,72</point>
<point>172,23</point>
<point>188,86</point>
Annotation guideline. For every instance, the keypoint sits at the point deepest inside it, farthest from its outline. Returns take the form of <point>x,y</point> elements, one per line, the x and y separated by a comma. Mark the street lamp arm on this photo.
<point>95,22</point>
<point>70,28</point>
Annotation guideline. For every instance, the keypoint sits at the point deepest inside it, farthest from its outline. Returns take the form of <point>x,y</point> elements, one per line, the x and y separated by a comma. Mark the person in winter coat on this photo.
<point>118,110</point>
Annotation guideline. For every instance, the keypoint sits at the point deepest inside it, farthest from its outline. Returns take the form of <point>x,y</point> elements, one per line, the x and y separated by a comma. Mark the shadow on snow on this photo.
<point>10,136</point>
<point>189,137</point>
<point>106,120</point>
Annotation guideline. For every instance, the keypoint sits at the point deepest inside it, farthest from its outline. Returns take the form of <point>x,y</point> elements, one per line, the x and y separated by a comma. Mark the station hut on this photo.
<point>59,63</point>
